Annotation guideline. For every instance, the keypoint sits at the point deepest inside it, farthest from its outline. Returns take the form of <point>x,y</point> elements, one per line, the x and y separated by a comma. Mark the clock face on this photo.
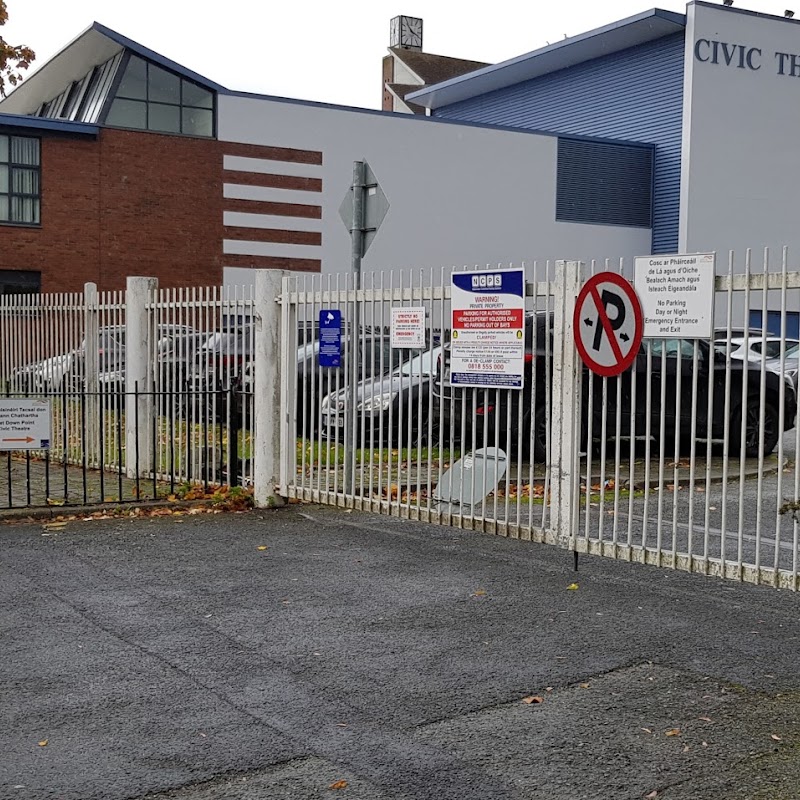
<point>394,32</point>
<point>411,32</point>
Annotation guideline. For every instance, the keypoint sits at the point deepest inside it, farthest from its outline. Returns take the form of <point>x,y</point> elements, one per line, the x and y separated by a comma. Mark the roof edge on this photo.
<point>157,58</point>
<point>424,96</point>
<point>43,123</point>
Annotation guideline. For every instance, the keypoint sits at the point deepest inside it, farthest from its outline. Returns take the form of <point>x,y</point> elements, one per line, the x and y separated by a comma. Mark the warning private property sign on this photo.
<point>608,324</point>
<point>488,329</point>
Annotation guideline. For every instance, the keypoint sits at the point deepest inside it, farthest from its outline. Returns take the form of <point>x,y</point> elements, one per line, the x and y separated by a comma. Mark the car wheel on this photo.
<point>752,434</point>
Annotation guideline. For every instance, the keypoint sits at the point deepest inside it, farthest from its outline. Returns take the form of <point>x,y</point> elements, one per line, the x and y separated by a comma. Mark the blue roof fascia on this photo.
<point>43,124</point>
<point>426,120</point>
<point>657,13</point>
<point>157,58</point>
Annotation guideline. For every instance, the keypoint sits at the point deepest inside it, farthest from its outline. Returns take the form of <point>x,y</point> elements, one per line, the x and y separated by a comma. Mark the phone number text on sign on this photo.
<point>488,329</point>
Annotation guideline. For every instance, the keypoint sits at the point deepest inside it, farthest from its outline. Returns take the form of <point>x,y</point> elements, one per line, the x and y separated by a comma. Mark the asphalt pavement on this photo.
<point>311,652</point>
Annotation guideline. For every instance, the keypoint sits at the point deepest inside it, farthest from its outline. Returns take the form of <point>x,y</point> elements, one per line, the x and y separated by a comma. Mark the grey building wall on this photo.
<point>459,194</point>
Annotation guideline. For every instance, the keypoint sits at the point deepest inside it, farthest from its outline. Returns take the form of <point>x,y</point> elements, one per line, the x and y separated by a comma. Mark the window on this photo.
<point>18,281</point>
<point>154,99</point>
<point>19,180</point>
<point>671,347</point>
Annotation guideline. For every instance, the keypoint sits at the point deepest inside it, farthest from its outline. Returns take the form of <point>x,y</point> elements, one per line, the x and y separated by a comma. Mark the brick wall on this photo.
<point>129,203</point>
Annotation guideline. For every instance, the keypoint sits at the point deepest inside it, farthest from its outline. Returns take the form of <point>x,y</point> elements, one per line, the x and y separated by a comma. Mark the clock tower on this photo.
<point>406,32</point>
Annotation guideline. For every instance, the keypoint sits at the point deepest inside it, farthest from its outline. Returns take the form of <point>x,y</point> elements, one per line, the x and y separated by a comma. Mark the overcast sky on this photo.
<point>319,49</point>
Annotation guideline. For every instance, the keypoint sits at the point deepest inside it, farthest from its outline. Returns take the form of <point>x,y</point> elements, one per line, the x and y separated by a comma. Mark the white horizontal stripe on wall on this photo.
<point>236,191</point>
<point>236,247</point>
<point>240,219</point>
<point>264,165</point>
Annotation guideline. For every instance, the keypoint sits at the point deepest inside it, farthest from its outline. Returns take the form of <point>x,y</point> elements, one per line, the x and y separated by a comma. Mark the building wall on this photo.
<point>128,203</point>
<point>458,194</point>
<point>635,95</point>
<point>741,157</point>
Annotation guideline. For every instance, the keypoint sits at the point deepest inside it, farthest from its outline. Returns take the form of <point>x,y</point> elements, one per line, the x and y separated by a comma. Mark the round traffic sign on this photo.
<point>608,324</point>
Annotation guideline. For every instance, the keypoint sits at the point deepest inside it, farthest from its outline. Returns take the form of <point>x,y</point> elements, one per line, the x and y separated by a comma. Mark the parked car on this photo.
<point>757,347</point>
<point>67,371</point>
<point>667,358</point>
<point>396,404</point>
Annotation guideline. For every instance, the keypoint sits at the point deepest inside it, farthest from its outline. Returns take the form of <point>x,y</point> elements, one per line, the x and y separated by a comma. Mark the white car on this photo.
<point>768,347</point>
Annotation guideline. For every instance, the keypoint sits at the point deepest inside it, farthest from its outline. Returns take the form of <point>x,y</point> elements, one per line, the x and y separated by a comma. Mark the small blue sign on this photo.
<point>330,338</point>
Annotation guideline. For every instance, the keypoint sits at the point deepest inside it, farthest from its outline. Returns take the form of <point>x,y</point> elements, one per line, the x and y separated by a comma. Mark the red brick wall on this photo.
<point>129,203</point>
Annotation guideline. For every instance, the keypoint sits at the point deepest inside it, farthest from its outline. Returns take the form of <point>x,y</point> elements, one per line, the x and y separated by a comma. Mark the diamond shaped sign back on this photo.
<point>375,207</point>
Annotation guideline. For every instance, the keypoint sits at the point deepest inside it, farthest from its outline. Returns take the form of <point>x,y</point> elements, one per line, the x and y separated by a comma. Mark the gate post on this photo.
<point>269,414</point>
<point>139,352</point>
<point>565,405</point>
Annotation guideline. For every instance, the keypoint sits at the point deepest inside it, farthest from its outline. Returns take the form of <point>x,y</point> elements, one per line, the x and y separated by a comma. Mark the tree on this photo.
<point>13,58</point>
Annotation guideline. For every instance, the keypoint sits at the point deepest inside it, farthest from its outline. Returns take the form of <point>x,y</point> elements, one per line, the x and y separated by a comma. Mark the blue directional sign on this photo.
<point>330,338</point>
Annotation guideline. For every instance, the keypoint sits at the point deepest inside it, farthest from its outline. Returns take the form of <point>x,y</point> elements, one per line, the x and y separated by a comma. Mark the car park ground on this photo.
<point>311,652</point>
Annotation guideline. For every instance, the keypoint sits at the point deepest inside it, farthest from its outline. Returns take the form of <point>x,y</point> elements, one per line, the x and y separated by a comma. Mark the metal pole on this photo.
<point>356,253</point>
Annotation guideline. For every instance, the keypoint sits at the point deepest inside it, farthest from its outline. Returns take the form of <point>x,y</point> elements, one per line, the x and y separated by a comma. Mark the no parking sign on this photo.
<point>608,324</point>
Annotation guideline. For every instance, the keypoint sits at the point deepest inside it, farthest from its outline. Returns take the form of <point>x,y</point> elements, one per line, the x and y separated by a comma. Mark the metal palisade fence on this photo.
<point>685,460</point>
<point>149,392</point>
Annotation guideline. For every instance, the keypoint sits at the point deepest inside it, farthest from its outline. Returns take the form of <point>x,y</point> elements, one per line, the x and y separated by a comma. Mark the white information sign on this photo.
<point>677,295</point>
<point>24,423</point>
<point>488,329</point>
<point>408,328</point>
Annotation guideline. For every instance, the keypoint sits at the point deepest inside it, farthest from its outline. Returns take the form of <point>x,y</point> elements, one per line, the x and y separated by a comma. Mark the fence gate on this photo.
<point>686,460</point>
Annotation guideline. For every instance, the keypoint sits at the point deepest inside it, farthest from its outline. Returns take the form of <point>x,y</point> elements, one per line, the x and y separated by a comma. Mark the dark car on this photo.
<point>394,406</point>
<point>654,372</point>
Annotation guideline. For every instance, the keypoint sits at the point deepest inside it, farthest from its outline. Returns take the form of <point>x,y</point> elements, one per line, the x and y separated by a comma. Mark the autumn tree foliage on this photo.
<point>13,58</point>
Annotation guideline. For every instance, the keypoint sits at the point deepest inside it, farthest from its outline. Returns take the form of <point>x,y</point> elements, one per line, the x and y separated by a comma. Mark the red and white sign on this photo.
<point>487,347</point>
<point>408,328</point>
<point>608,324</point>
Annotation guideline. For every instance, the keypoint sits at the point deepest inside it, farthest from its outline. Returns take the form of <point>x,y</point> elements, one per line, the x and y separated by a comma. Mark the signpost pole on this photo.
<point>356,254</point>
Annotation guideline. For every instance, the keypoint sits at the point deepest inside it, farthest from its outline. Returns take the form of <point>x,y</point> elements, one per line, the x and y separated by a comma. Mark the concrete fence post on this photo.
<point>565,407</point>
<point>139,354</point>
<point>267,367</point>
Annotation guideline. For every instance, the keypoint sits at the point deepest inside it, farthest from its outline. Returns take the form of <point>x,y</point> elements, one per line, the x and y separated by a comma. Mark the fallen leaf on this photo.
<point>652,795</point>
<point>338,785</point>
<point>572,586</point>
<point>673,732</point>
<point>705,719</point>
<point>54,526</point>
<point>647,730</point>
<point>776,737</point>
<point>705,744</point>
<point>43,743</point>
<point>686,748</point>
<point>586,685</point>
<point>479,593</point>
<point>534,698</point>
<point>261,547</point>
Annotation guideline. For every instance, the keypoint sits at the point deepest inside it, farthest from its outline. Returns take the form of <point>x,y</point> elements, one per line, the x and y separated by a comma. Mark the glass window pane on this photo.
<point>3,178</point>
<point>194,95</point>
<point>163,86</point>
<point>3,209</point>
<point>25,209</point>
<point>198,122</point>
<point>134,82</point>
<point>4,148</point>
<point>164,118</point>
<point>24,150</point>
<point>25,181</point>
<point>128,114</point>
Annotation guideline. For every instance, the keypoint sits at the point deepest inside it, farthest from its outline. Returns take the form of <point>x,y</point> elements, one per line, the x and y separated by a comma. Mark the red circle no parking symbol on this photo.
<point>608,324</point>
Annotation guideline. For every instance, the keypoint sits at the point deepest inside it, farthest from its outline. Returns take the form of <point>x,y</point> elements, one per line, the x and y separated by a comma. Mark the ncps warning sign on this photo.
<point>24,423</point>
<point>488,329</point>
